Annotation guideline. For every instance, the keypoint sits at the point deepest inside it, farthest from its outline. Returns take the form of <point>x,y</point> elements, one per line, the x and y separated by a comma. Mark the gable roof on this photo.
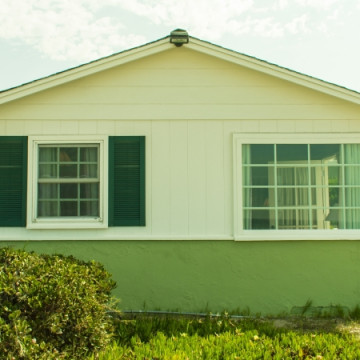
<point>164,44</point>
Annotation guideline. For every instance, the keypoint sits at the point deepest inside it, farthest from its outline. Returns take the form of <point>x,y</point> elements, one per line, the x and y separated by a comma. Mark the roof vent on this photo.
<point>179,37</point>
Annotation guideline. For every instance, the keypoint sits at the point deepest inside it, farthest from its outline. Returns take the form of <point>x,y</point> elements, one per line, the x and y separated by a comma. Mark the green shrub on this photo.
<point>52,307</point>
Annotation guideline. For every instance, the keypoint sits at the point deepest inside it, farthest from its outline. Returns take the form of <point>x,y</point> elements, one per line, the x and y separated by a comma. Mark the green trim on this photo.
<point>126,181</point>
<point>13,179</point>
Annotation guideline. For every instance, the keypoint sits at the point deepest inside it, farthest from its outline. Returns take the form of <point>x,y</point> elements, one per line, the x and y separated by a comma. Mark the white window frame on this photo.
<point>66,222</point>
<point>283,138</point>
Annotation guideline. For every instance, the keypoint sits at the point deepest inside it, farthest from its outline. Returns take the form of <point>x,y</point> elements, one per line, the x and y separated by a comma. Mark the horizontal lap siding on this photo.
<point>179,84</point>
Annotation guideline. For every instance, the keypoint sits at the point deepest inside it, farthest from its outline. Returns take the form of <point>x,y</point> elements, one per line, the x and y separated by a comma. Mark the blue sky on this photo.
<point>319,38</point>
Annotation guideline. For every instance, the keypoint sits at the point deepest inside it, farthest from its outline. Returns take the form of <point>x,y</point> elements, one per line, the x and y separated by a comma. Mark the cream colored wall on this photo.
<point>187,105</point>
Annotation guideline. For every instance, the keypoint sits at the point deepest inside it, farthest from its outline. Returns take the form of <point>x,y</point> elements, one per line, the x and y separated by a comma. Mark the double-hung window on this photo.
<point>67,182</point>
<point>297,187</point>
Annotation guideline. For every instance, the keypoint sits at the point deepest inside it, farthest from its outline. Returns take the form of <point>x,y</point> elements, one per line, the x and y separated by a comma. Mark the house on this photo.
<point>201,177</point>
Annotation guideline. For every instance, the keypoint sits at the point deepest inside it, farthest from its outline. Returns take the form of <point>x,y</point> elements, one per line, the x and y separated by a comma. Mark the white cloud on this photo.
<point>64,29</point>
<point>318,4</point>
<point>83,30</point>
<point>298,25</point>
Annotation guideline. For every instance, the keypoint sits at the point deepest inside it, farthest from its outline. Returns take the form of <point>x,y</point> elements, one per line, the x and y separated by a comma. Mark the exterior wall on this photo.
<point>188,106</point>
<point>267,277</point>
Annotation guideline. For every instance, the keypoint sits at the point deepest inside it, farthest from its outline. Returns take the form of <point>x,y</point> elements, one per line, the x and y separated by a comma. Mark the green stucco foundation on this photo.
<point>267,277</point>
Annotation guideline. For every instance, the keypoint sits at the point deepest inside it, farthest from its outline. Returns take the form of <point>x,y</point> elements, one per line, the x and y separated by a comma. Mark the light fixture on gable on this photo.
<point>179,37</point>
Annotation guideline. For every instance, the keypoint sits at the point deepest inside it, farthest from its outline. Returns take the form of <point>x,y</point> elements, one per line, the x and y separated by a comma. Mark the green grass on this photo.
<point>161,337</point>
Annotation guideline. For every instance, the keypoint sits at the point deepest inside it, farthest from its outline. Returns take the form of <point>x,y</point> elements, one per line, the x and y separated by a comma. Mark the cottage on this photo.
<point>201,177</point>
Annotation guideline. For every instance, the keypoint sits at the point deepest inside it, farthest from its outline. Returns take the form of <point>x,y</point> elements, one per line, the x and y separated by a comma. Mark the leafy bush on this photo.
<point>52,307</point>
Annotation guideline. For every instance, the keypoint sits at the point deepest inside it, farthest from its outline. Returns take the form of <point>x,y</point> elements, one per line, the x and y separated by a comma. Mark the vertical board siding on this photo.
<point>215,179</point>
<point>179,189</point>
<point>160,170</point>
<point>197,177</point>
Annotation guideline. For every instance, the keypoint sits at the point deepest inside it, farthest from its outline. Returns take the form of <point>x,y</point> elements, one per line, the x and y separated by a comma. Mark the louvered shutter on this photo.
<point>126,181</point>
<point>13,170</point>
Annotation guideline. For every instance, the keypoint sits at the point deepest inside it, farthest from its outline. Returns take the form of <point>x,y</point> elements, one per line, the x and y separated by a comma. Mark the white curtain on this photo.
<point>247,192</point>
<point>293,198</point>
<point>352,193</point>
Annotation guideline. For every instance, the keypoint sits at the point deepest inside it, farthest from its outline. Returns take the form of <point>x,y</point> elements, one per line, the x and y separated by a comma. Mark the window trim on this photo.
<point>282,138</point>
<point>73,222</point>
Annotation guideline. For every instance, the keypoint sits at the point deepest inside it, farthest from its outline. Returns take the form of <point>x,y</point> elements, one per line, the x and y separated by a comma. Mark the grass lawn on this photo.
<point>161,337</point>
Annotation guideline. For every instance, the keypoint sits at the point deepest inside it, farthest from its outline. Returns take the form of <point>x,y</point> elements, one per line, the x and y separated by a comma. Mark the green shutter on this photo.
<point>126,181</point>
<point>13,170</point>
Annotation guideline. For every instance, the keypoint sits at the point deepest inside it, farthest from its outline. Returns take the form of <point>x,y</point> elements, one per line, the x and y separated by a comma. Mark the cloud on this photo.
<point>64,29</point>
<point>83,30</point>
<point>298,25</point>
<point>318,4</point>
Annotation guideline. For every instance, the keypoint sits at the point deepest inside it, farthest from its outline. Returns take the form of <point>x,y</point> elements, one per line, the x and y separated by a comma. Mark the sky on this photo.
<point>319,38</point>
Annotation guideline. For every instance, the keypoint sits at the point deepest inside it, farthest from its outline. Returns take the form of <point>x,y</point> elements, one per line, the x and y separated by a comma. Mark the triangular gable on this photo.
<point>164,44</point>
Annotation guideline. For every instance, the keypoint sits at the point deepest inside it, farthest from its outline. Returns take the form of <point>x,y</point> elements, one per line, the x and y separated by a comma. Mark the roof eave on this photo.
<point>275,70</point>
<point>85,70</point>
<point>164,44</point>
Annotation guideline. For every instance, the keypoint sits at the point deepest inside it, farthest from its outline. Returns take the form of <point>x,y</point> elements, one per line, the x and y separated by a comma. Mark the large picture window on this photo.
<point>298,186</point>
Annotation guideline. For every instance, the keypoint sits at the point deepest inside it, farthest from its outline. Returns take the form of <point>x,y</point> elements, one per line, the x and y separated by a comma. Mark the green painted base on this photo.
<point>196,276</point>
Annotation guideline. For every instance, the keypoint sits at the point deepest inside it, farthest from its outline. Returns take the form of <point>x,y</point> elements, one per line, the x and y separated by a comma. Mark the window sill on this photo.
<point>289,235</point>
<point>68,224</point>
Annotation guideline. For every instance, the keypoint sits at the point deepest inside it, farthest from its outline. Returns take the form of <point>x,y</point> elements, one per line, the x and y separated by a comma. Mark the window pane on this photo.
<point>259,175</point>
<point>292,176</point>
<point>68,191</point>
<point>293,197</point>
<point>47,208</point>
<point>291,153</point>
<point>89,191</point>
<point>352,153</point>
<point>48,191</point>
<point>335,198</point>
<point>334,175</point>
<point>88,171</point>
<point>47,171</point>
<point>89,208</point>
<point>352,219</point>
<point>293,219</point>
<point>68,208</point>
<point>260,197</point>
<point>325,152</point>
<point>352,197</point>
<point>68,171</point>
<point>68,154</point>
<point>47,154</point>
<point>333,218</point>
<point>257,219</point>
<point>261,154</point>
<point>352,175</point>
<point>88,154</point>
